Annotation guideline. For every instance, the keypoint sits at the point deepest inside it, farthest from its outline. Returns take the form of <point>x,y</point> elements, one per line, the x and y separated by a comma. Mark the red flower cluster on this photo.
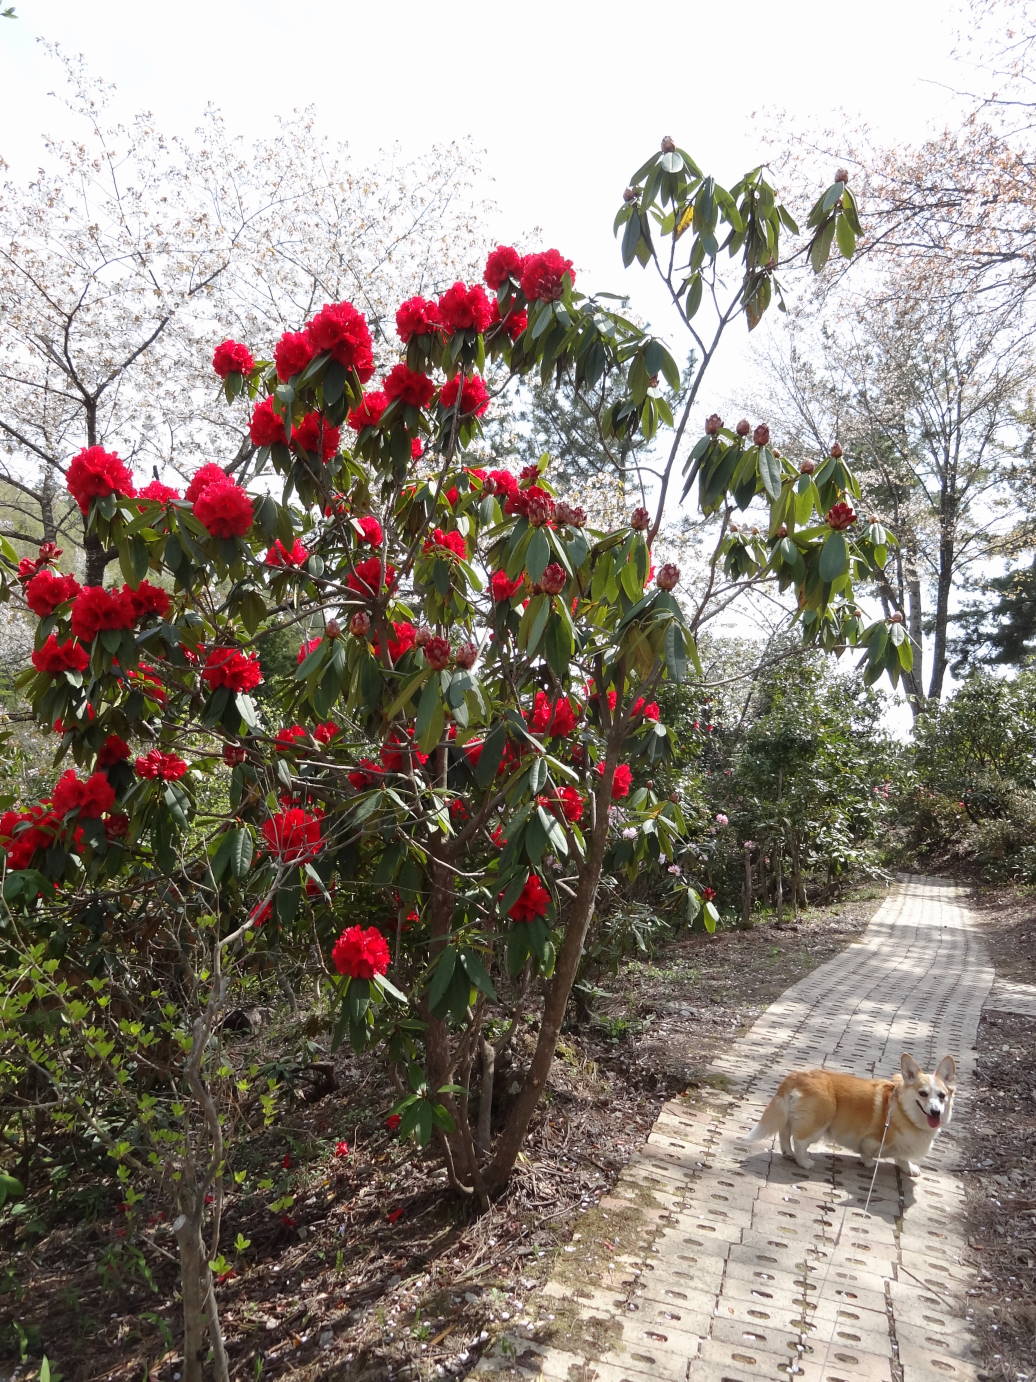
<point>293,836</point>
<point>368,412</point>
<point>161,494</point>
<point>398,753</point>
<point>113,750</point>
<point>145,599</point>
<point>502,588</point>
<point>463,308</point>
<point>566,802</point>
<point>46,591</point>
<point>231,357</point>
<point>366,774</point>
<point>306,648</point>
<point>292,354</point>
<point>401,643</point>
<point>342,330</point>
<point>554,578</point>
<point>323,734</point>
<point>233,669</point>
<point>649,709</point>
<point>96,472</point>
<point>532,902</point>
<point>514,323</point>
<point>286,739</point>
<point>543,274</point>
<point>316,435</point>
<point>840,516</point>
<point>279,555</point>
<point>502,264</point>
<point>708,894</point>
<point>474,396</point>
<point>410,385</point>
<point>416,317</point>
<point>622,780</point>
<point>22,833</point>
<point>501,482</point>
<point>225,510</point>
<point>553,718</point>
<point>360,953</point>
<point>368,577</point>
<point>437,653</point>
<point>90,798</point>
<point>204,476</point>
<point>371,531</point>
<point>166,767</point>
<point>266,427</point>
<point>95,609</point>
<point>441,542</point>
<point>533,503</point>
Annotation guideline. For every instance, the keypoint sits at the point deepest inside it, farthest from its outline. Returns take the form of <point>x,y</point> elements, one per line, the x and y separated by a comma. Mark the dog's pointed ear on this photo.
<point>909,1067</point>
<point>946,1070</point>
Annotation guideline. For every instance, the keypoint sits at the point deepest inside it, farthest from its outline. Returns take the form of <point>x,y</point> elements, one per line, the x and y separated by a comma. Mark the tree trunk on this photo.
<point>798,892</point>
<point>193,1272</point>
<point>913,680</point>
<point>581,910</point>
<point>947,556</point>
<point>746,893</point>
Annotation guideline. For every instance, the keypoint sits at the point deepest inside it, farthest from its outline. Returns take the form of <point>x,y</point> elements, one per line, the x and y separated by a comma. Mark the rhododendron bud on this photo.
<point>841,175</point>
<point>668,147</point>
<point>743,427</point>
<point>707,894</point>
<point>539,511</point>
<point>466,655</point>
<point>840,516</point>
<point>422,637</point>
<point>896,617</point>
<point>640,520</point>
<point>668,576</point>
<point>807,467</point>
<point>233,754</point>
<point>571,514</point>
<point>836,451</point>
<point>437,653</point>
<point>630,194</point>
<point>761,435</point>
<point>712,424</point>
<point>554,579</point>
<point>782,531</point>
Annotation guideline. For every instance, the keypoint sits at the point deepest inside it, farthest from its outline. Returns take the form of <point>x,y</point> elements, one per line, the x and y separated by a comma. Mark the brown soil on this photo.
<point>373,1274</point>
<point>998,1165</point>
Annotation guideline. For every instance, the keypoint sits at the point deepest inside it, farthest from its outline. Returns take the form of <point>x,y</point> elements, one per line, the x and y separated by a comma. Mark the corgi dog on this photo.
<point>895,1118</point>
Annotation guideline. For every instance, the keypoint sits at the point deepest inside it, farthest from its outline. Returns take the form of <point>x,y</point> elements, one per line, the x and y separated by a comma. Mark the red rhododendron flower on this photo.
<point>410,385</point>
<point>22,833</point>
<point>371,531</point>
<point>167,767</point>
<point>416,317</point>
<point>306,648</point>
<point>54,657</point>
<point>416,448</point>
<point>96,472</point>
<point>145,599</point>
<point>360,953</point>
<point>95,608</point>
<point>233,669</point>
<point>542,275</point>
<point>399,753</point>
<point>286,739</point>
<point>649,709</point>
<point>90,798</point>
<point>293,836</point>
<point>144,678</point>
<point>369,576</point>
<point>46,591</point>
<point>708,894</point>
<point>437,653</point>
<point>501,264</point>
<point>502,588</point>
<point>840,516</point>
<point>441,542</point>
<point>225,510</point>
<point>514,323</point>
<point>113,750</point>
<point>266,427</point>
<point>315,434</point>
<point>339,328</point>
<point>474,396</point>
<point>622,780</point>
<point>534,503</point>
<point>325,732</point>
<point>463,308</point>
<point>368,412</point>
<point>501,482</point>
<point>231,357</point>
<point>279,555</point>
<point>292,354</point>
<point>364,775</point>
<point>532,902</point>
<point>203,477</point>
<point>161,494</point>
<point>393,1121</point>
<point>341,1149</point>
<point>401,643</point>
<point>553,718</point>
<point>566,802</point>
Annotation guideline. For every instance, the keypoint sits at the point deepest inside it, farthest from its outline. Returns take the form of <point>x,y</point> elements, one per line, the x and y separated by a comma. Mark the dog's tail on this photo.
<point>775,1115</point>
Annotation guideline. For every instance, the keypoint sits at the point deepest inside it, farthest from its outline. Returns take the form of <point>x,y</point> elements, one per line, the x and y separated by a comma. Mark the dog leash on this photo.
<point>838,1238</point>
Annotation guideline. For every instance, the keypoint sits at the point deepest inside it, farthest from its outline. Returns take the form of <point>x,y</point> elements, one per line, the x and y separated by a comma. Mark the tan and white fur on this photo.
<point>853,1112</point>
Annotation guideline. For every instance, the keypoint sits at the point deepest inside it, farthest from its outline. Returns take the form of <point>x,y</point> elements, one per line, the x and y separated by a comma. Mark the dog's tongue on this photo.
<point>933,1119</point>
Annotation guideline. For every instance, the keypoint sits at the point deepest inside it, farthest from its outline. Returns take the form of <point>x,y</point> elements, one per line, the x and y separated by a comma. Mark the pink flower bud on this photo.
<point>333,629</point>
<point>437,653</point>
<point>743,427</point>
<point>840,516</point>
<point>630,194</point>
<point>761,435</point>
<point>807,467</point>
<point>360,624</point>
<point>554,579</point>
<point>465,656</point>
<point>422,636</point>
<point>640,520</point>
<point>841,175</point>
<point>538,512</point>
<point>836,451</point>
<point>668,576</point>
<point>668,147</point>
<point>712,424</point>
<point>571,514</point>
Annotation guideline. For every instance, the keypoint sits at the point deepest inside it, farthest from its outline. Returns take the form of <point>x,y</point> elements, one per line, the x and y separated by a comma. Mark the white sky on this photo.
<point>567,98</point>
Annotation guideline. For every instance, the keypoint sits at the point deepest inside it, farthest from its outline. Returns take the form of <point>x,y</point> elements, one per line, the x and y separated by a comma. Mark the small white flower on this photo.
<point>630,833</point>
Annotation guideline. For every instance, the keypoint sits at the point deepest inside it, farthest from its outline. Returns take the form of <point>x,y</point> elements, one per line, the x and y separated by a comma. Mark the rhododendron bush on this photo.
<point>433,792</point>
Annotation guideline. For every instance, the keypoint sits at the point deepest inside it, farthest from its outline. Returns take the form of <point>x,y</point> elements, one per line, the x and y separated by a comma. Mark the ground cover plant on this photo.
<point>406,827</point>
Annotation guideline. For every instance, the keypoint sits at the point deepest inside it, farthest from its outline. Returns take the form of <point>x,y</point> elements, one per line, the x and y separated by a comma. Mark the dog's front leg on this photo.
<point>909,1168</point>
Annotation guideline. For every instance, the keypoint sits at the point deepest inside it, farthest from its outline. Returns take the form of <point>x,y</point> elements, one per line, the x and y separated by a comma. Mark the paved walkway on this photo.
<point>715,1260</point>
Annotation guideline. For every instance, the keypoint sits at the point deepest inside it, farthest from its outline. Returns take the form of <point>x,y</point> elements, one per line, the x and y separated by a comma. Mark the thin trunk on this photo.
<point>914,680</point>
<point>193,1268</point>
<point>746,894</point>
<point>558,993</point>
<point>947,556</point>
<point>798,892</point>
<point>485,1106</point>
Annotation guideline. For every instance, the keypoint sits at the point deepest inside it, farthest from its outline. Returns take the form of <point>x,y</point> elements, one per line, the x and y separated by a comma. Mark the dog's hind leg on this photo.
<point>786,1149</point>
<point>801,1147</point>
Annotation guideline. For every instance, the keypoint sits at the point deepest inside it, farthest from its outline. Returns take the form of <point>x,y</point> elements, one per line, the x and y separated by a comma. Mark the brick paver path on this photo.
<point>716,1260</point>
